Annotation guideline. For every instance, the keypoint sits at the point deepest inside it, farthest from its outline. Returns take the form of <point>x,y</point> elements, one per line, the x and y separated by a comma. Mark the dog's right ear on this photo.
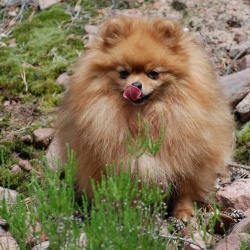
<point>110,33</point>
<point>113,31</point>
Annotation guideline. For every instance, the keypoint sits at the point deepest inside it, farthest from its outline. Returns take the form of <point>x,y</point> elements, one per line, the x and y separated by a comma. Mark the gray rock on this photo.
<point>7,242</point>
<point>44,4</point>
<point>8,194</point>
<point>243,109</point>
<point>236,86</point>
<point>232,242</point>
<point>41,246</point>
<point>3,232</point>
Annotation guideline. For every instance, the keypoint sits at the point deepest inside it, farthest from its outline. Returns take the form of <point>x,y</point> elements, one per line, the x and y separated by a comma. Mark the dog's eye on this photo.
<point>153,75</point>
<point>124,74</point>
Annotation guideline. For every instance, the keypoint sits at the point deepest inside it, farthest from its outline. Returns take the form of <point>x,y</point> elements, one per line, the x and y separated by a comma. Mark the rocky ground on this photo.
<point>224,29</point>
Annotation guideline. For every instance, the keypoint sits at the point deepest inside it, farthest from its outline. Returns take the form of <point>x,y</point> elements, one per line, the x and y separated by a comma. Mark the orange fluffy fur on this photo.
<point>94,116</point>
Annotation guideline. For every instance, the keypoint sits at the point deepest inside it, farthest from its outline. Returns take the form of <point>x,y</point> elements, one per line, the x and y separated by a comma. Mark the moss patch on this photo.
<point>44,50</point>
<point>10,154</point>
<point>9,150</point>
<point>242,152</point>
<point>17,181</point>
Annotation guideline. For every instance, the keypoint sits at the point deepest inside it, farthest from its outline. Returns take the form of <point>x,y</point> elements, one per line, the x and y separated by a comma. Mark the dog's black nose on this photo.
<point>137,85</point>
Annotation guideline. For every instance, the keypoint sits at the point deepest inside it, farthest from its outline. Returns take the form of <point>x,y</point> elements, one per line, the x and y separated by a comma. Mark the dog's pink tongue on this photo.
<point>132,93</point>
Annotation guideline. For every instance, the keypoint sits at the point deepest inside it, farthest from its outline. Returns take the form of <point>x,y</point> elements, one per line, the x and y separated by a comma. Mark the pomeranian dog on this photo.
<point>153,68</point>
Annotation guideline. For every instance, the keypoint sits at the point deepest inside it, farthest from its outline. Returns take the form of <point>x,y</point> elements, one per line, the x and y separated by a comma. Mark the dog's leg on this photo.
<point>184,206</point>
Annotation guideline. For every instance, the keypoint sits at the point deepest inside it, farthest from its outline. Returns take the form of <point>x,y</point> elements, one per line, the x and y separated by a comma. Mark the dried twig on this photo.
<point>171,237</point>
<point>23,75</point>
<point>79,9</point>
<point>236,165</point>
<point>20,14</point>
<point>239,55</point>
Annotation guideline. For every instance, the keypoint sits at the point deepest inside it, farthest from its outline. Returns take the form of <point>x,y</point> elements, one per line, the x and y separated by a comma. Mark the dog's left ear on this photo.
<point>169,30</point>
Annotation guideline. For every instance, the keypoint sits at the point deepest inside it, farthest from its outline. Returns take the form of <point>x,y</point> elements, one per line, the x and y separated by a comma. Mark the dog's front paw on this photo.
<point>184,214</point>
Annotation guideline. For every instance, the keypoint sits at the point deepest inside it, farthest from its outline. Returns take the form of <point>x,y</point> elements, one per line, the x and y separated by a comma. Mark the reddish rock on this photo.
<point>243,108</point>
<point>232,242</point>
<point>12,43</point>
<point>63,80</point>
<point>238,48</point>
<point>236,86</point>
<point>35,232</point>
<point>3,232</point>
<point>221,10</point>
<point>43,137</point>
<point>128,12</point>
<point>198,38</point>
<point>240,36</point>
<point>242,227</point>
<point>198,237</point>
<point>77,8</point>
<point>16,169</point>
<point>24,164</point>
<point>157,5</point>
<point>41,246</point>
<point>247,213</point>
<point>9,137</point>
<point>27,139</point>
<point>53,153</point>
<point>91,29</point>
<point>245,62</point>
<point>235,195</point>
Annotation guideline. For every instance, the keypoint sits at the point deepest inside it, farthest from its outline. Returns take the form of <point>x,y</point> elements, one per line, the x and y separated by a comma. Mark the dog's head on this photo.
<point>141,57</point>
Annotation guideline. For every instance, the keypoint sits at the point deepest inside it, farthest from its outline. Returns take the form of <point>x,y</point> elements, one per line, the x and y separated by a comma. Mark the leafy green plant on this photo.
<point>144,142</point>
<point>123,213</point>
<point>55,205</point>
<point>16,215</point>
<point>245,244</point>
<point>49,210</point>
